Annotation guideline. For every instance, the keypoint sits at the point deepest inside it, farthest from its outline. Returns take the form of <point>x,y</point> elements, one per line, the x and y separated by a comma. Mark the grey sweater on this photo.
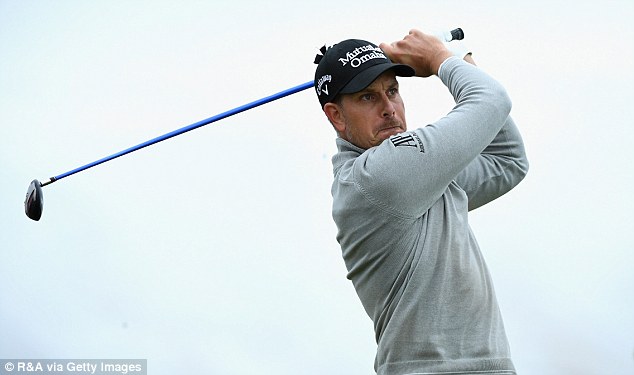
<point>401,212</point>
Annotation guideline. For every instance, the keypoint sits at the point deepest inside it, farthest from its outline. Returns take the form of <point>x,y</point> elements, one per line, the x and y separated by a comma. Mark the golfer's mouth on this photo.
<point>390,131</point>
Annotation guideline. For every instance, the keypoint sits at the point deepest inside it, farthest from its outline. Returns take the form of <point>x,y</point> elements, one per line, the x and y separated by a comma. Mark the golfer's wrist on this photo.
<point>440,60</point>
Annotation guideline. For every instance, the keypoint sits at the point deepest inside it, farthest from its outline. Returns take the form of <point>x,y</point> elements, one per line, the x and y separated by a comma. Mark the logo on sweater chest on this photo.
<point>407,140</point>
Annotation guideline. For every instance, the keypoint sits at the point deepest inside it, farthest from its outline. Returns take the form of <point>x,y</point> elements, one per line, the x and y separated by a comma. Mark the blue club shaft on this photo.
<point>185,129</point>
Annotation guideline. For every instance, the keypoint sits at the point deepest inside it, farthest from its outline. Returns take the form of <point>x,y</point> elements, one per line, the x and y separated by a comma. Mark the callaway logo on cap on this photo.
<point>350,66</point>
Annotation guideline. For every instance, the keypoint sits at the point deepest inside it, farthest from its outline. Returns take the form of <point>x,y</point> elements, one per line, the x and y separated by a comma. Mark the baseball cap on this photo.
<point>350,66</point>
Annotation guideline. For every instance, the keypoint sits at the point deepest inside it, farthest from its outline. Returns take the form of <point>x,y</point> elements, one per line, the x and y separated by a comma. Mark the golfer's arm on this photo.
<point>410,179</point>
<point>498,169</point>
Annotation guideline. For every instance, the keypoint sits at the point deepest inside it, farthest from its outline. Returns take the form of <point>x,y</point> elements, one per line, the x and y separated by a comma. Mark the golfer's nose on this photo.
<point>388,107</point>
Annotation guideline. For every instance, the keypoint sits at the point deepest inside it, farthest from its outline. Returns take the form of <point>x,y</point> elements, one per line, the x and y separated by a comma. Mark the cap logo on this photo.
<point>322,81</point>
<point>349,66</point>
<point>355,62</point>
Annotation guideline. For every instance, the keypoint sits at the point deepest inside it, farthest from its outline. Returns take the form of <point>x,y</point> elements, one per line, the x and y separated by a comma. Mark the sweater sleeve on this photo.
<point>406,174</point>
<point>499,168</point>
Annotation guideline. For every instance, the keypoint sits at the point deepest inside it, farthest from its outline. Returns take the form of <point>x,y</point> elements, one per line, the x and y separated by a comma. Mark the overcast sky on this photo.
<point>215,252</point>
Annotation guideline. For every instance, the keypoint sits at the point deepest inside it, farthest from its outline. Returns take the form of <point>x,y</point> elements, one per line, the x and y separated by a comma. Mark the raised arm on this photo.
<point>408,180</point>
<point>498,169</point>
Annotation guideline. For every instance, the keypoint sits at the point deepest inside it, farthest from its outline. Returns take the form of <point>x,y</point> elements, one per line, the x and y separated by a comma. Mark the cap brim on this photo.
<point>365,78</point>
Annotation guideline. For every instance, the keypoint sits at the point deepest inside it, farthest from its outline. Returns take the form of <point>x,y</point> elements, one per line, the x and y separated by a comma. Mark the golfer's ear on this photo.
<point>335,116</point>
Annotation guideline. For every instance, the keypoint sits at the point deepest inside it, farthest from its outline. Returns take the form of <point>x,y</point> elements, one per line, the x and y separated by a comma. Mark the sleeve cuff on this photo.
<point>445,63</point>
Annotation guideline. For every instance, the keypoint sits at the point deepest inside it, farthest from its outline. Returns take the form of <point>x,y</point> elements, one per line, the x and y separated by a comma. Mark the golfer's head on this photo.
<point>358,91</point>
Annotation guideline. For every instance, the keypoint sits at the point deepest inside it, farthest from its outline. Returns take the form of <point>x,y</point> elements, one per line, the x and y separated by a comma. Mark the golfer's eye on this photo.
<point>367,97</point>
<point>393,91</point>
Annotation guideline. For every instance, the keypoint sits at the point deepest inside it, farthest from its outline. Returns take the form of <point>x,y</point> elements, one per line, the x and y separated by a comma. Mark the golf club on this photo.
<point>34,202</point>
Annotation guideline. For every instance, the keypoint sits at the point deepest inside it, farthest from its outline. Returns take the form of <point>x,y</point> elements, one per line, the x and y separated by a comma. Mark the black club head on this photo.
<point>34,202</point>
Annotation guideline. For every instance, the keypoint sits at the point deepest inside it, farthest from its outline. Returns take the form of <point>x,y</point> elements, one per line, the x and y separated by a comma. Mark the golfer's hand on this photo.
<point>423,52</point>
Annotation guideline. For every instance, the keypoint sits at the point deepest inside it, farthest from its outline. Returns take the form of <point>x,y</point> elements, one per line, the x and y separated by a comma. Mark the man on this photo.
<point>400,202</point>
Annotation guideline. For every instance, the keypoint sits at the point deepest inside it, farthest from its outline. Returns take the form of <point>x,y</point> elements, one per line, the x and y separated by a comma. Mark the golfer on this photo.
<point>401,200</point>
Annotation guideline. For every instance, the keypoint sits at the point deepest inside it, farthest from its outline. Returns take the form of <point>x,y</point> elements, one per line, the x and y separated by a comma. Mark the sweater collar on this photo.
<point>345,151</point>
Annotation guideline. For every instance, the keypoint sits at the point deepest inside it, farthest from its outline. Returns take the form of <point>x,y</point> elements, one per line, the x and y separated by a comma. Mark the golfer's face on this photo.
<point>374,114</point>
